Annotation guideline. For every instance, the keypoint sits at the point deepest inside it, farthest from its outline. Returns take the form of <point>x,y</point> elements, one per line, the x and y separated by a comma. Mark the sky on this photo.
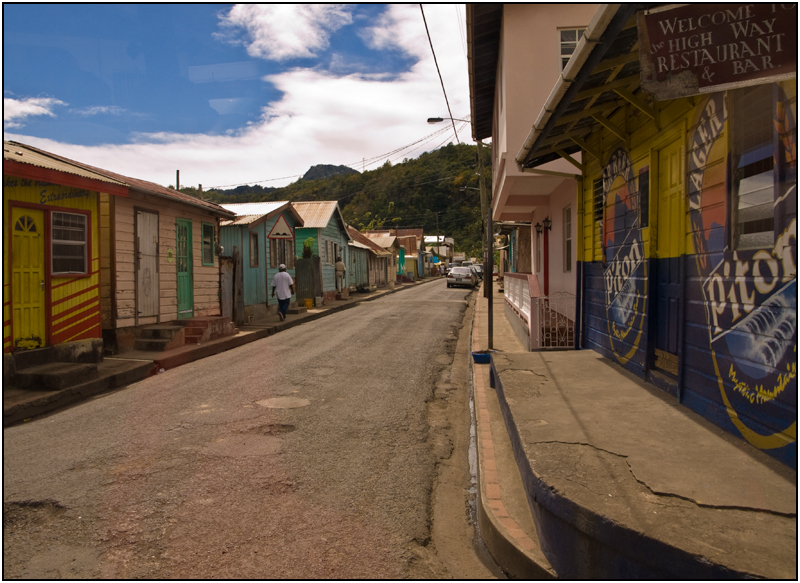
<point>233,94</point>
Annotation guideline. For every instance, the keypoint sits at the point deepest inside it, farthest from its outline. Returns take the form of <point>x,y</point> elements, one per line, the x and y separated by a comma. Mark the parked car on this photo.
<point>479,268</point>
<point>463,276</point>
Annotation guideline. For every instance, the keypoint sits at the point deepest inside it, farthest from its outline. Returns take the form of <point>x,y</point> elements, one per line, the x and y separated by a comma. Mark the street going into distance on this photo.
<point>334,449</point>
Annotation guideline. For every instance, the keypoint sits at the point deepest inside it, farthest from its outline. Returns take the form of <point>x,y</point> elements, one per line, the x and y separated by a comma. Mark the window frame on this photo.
<point>254,249</point>
<point>562,44</point>
<point>53,242</point>
<point>738,152</point>
<point>203,243</point>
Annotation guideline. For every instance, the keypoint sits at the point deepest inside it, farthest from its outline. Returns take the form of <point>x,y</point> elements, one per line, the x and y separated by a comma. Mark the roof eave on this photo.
<point>607,23</point>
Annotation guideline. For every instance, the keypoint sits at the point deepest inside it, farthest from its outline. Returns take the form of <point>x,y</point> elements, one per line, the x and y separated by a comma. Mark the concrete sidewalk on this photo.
<point>619,481</point>
<point>20,405</point>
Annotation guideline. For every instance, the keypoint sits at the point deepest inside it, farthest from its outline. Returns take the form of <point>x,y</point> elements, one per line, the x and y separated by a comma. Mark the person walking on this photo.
<point>340,269</point>
<point>282,282</point>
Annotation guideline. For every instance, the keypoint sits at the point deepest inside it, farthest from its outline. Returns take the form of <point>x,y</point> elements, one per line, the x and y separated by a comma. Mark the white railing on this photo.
<point>518,295</point>
<point>556,319</point>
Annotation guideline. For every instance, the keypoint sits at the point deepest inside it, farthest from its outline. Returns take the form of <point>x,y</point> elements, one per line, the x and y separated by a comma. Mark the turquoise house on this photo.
<point>323,222</point>
<point>264,234</point>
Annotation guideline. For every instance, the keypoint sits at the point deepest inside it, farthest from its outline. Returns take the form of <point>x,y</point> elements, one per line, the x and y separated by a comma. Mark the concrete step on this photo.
<point>35,357</point>
<point>152,344</point>
<point>161,331</point>
<point>297,310</point>
<point>55,376</point>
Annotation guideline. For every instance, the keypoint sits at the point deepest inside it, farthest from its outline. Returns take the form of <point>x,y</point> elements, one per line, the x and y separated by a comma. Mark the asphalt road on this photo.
<point>308,454</point>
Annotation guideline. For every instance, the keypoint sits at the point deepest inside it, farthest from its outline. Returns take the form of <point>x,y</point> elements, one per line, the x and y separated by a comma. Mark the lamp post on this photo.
<point>486,207</point>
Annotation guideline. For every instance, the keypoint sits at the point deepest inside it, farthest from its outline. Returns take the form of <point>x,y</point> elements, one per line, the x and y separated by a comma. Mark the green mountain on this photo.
<point>413,194</point>
<point>326,171</point>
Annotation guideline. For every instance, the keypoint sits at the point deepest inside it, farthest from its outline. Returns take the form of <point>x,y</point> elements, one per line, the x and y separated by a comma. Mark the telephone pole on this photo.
<point>486,204</point>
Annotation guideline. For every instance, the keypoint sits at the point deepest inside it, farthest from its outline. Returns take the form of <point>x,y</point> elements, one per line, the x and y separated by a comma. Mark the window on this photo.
<point>598,200</point>
<point>569,40</point>
<point>753,168</point>
<point>253,249</point>
<point>568,239</point>
<point>281,251</point>
<point>208,243</point>
<point>68,243</point>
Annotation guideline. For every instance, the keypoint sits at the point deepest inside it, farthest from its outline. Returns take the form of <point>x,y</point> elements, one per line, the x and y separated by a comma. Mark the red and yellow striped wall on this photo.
<point>71,304</point>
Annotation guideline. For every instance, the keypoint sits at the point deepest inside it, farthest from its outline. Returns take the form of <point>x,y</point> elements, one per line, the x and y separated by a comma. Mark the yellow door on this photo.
<point>670,239</point>
<point>27,278</point>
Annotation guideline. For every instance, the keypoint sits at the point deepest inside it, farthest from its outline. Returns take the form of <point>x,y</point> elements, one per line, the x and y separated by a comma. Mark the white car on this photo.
<point>462,276</point>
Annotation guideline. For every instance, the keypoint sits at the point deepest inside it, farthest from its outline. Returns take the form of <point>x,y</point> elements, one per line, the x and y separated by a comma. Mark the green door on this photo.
<point>183,259</point>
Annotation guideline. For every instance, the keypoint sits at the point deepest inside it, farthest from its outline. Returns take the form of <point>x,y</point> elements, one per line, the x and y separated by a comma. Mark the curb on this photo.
<point>513,550</point>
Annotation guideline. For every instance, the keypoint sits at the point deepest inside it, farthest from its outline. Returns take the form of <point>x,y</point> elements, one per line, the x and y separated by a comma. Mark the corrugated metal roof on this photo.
<point>359,245</point>
<point>135,183</point>
<point>316,214</point>
<point>241,220</point>
<point>364,241</point>
<point>384,241</point>
<point>253,208</point>
<point>27,155</point>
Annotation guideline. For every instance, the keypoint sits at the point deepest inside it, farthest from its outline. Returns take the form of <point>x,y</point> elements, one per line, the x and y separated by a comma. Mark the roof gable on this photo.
<point>132,183</point>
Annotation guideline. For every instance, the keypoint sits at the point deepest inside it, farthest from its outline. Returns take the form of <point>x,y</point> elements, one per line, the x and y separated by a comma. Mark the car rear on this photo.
<point>461,276</point>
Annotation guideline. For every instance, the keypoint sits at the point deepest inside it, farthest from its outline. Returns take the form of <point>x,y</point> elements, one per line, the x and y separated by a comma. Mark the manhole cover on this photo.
<point>283,402</point>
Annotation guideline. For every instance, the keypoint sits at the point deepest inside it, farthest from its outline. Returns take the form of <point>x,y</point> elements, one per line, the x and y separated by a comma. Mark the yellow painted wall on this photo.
<point>74,302</point>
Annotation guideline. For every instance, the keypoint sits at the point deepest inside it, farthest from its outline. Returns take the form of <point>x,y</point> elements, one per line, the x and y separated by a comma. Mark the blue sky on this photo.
<point>231,94</point>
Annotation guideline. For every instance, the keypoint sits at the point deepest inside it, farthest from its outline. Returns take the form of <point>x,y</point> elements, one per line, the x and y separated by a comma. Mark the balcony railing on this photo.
<point>556,327</point>
<point>541,322</point>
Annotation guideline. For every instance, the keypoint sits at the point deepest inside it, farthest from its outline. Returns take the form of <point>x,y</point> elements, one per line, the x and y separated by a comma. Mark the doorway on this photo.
<point>28,278</point>
<point>670,234</point>
<point>147,288</point>
<point>183,261</point>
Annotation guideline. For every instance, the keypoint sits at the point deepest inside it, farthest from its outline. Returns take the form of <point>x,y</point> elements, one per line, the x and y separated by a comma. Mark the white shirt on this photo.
<point>281,283</point>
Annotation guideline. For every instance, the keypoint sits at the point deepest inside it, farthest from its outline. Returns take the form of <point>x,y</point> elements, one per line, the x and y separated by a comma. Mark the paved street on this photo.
<point>307,454</point>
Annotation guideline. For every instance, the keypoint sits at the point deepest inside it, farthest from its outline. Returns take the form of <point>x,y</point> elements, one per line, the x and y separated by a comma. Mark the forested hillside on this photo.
<point>407,195</point>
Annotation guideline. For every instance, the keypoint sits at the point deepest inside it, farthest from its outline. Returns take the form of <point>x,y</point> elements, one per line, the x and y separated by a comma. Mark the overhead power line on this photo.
<point>438,71</point>
<point>367,161</point>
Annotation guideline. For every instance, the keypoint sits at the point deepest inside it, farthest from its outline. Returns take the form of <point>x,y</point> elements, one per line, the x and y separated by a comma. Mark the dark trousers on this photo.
<point>283,305</point>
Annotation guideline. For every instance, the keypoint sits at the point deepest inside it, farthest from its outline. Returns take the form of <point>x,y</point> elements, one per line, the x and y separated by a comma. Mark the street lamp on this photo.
<point>433,120</point>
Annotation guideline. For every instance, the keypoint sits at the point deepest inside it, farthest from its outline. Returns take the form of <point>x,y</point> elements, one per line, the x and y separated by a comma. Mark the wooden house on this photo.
<point>157,259</point>
<point>370,262</point>
<point>323,223</point>
<point>51,254</point>
<point>391,248</point>
<point>263,235</point>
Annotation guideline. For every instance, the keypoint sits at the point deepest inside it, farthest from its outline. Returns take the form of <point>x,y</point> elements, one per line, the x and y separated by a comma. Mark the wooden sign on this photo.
<point>704,48</point>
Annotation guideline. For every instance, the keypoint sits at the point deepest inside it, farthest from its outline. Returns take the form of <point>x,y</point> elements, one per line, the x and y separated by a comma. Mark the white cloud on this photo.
<point>283,31</point>
<point>321,118</point>
<point>100,110</point>
<point>16,111</point>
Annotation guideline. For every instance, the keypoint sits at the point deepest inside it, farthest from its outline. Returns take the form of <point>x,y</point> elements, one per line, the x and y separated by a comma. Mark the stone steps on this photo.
<point>160,337</point>
<point>55,376</point>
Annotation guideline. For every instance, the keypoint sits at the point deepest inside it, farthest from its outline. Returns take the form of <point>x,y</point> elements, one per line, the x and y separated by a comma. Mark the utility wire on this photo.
<point>369,162</point>
<point>440,73</point>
